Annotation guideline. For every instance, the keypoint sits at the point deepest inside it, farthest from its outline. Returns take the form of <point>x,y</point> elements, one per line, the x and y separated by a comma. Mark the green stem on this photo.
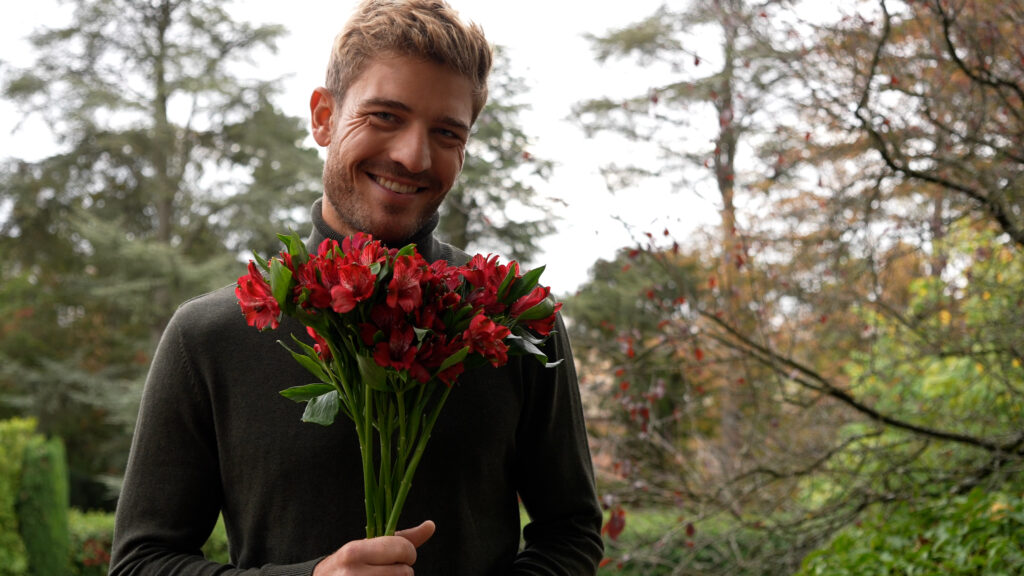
<point>385,425</point>
<point>366,447</point>
<point>421,445</point>
<point>403,430</point>
<point>340,382</point>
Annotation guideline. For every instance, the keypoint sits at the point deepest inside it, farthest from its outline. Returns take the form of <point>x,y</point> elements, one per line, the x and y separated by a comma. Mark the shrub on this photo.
<point>978,533</point>
<point>92,535</point>
<point>216,547</point>
<point>14,436</point>
<point>658,541</point>
<point>91,538</point>
<point>43,506</point>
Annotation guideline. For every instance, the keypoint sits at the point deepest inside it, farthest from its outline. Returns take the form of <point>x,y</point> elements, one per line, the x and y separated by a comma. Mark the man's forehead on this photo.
<point>414,85</point>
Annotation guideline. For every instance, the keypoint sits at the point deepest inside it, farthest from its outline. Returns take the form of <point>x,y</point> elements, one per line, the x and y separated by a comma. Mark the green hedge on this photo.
<point>39,535</point>
<point>14,437</point>
<point>92,535</point>
<point>43,506</point>
<point>978,533</point>
<point>33,502</point>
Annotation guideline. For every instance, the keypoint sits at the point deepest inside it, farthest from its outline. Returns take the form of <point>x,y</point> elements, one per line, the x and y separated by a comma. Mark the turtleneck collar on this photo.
<point>426,244</point>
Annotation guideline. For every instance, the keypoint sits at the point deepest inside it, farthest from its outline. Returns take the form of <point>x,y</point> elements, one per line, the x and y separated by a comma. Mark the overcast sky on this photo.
<point>547,48</point>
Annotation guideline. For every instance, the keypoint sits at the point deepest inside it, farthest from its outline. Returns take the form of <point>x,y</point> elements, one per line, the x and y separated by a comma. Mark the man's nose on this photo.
<point>411,149</point>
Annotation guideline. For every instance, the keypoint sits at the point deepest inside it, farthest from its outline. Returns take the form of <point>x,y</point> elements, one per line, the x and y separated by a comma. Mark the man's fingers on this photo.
<point>419,534</point>
<point>382,551</point>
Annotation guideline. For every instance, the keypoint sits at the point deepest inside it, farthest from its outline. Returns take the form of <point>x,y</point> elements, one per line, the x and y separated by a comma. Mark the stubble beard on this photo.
<point>351,209</point>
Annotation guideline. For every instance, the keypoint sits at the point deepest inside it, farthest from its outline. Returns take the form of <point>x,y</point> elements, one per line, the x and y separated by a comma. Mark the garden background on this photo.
<point>800,326</point>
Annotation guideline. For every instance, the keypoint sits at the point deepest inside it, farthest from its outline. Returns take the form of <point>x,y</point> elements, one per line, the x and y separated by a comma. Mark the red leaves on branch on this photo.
<point>616,523</point>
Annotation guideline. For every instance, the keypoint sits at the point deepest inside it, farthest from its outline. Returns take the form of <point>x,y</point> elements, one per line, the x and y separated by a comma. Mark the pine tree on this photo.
<point>167,168</point>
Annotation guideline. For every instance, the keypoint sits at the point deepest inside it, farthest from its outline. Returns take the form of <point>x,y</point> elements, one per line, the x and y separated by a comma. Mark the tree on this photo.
<point>493,207</point>
<point>168,168</point>
<point>878,296</point>
<point>737,87</point>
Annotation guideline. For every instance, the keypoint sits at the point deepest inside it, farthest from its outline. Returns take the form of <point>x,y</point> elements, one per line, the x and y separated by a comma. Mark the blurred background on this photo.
<point>788,239</point>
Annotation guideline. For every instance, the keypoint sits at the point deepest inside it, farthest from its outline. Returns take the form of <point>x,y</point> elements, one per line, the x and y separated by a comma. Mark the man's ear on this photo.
<point>321,108</point>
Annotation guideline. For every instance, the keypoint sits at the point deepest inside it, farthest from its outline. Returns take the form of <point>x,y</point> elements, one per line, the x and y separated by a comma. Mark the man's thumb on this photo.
<point>419,534</point>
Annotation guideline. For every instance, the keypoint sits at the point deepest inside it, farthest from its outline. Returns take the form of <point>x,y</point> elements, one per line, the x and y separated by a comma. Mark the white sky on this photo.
<point>547,49</point>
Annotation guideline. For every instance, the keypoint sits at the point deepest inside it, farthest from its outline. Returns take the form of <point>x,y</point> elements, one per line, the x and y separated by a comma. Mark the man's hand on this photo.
<point>383,556</point>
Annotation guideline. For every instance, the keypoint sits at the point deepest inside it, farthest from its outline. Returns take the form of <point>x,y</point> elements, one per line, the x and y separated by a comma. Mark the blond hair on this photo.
<point>427,29</point>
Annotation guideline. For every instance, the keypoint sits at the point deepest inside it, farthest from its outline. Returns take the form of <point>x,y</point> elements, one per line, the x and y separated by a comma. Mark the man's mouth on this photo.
<point>396,187</point>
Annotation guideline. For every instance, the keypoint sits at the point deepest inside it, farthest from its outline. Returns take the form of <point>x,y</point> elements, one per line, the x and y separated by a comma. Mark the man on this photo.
<point>406,81</point>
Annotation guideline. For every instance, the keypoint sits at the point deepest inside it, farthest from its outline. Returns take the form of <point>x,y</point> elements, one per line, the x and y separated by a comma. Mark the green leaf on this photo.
<point>280,281</point>
<point>294,245</point>
<point>525,334</point>
<point>525,284</point>
<point>261,262</point>
<point>522,346</point>
<point>306,392</point>
<point>372,374</point>
<point>406,250</point>
<point>506,282</point>
<point>421,333</point>
<point>309,362</point>
<point>454,359</point>
<point>522,342</point>
<point>542,309</point>
<point>322,409</point>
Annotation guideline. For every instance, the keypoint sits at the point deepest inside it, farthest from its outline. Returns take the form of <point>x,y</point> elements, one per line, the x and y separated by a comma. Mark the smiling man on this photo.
<point>395,144</point>
<point>406,81</point>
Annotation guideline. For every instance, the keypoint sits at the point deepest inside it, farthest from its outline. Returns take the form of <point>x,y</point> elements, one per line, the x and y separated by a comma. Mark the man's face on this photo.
<point>395,146</point>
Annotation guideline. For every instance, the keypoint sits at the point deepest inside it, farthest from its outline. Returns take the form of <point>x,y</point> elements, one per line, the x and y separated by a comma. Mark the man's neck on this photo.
<point>423,239</point>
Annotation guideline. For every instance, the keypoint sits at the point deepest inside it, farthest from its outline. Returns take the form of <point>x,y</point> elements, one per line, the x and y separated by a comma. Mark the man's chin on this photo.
<point>393,236</point>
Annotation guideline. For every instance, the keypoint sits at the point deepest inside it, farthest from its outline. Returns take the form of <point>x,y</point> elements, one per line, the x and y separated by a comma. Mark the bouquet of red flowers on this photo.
<point>390,335</point>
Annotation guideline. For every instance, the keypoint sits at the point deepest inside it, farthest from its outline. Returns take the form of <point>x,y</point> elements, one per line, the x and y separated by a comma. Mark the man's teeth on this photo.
<point>395,186</point>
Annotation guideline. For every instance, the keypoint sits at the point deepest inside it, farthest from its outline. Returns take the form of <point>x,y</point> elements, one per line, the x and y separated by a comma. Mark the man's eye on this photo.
<point>386,116</point>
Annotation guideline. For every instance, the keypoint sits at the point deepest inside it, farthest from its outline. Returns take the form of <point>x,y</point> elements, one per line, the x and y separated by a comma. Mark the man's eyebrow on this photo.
<point>399,105</point>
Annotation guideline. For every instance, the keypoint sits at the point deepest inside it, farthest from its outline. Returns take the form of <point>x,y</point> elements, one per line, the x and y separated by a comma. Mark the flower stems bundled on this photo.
<point>391,333</point>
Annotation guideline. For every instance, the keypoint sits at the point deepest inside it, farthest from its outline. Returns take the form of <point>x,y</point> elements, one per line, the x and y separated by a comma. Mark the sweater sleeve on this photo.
<point>556,478</point>
<point>171,495</point>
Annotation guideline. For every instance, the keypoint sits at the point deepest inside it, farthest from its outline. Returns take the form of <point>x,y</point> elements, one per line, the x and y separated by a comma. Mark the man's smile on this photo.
<point>396,187</point>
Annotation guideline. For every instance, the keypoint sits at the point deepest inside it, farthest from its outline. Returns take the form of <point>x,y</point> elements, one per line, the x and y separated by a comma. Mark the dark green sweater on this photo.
<point>214,436</point>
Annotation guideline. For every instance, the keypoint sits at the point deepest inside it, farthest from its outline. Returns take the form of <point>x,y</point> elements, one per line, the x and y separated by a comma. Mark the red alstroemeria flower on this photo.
<point>543,326</point>
<point>404,290</point>
<point>482,271</point>
<point>450,276</point>
<point>356,242</point>
<point>355,284</point>
<point>257,302</point>
<point>486,338</point>
<point>326,247</point>
<point>307,280</point>
<point>323,350</point>
<point>382,319</point>
<point>398,351</point>
<point>536,296</point>
<point>486,275</point>
<point>432,355</point>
